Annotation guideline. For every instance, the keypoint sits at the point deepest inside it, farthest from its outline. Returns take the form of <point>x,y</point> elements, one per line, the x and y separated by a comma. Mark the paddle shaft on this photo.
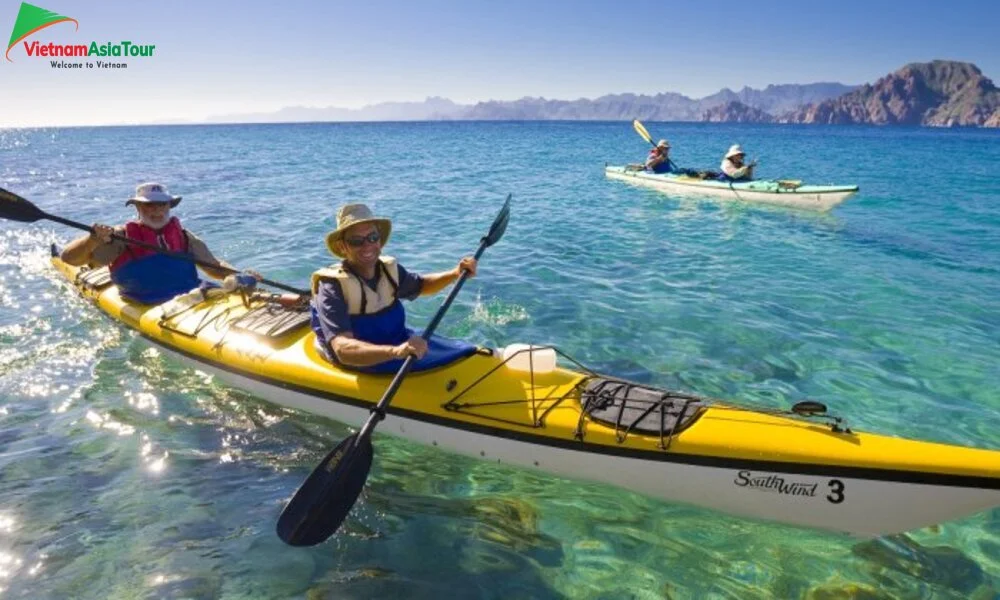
<point>378,413</point>
<point>170,253</point>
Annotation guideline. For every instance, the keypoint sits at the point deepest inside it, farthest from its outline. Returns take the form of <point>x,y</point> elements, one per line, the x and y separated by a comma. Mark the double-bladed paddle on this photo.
<point>16,208</point>
<point>324,500</point>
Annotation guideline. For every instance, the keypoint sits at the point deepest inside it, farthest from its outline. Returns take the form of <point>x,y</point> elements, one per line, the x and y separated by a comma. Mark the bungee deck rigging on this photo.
<point>623,405</point>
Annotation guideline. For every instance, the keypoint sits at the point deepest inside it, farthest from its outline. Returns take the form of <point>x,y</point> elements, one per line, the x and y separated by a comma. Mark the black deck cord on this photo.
<point>679,424</point>
<point>663,423</point>
<point>585,410</point>
<point>621,412</point>
<point>603,397</point>
<point>645,413</point>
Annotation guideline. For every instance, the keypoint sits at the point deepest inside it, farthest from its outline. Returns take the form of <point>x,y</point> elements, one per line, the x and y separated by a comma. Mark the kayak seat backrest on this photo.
<point>94,279</point>
<point>630,407</point>
<point>272,320</point>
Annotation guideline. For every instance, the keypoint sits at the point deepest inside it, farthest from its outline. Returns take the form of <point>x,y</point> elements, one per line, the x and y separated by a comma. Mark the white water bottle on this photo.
<point>528,358</point>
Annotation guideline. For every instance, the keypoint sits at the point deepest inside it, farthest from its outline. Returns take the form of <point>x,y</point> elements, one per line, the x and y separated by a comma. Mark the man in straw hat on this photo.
<point>732,165</point>
<point>658,160</point>
<point>140,273</point>
<point>357,315</point>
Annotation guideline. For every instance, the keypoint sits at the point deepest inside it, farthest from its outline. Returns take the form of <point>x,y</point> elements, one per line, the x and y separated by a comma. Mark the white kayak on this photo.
<point>780,192</point>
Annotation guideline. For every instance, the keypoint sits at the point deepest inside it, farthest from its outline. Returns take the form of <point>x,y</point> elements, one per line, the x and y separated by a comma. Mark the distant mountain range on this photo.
<point>429,110</point>
<point>939,93</point>
<point>666,106</point>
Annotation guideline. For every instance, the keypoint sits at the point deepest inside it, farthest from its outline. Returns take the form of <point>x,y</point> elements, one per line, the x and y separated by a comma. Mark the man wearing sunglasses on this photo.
<point>357,315</point>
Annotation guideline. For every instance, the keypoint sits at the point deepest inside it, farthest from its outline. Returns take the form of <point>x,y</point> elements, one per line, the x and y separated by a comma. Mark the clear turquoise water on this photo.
<point>125,475</point>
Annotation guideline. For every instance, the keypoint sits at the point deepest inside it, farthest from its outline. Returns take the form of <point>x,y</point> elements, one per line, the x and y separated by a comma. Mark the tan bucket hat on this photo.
<point>153,193</point>
<point>735,150</point>
<point>663,144</point>
<point>350,215</point>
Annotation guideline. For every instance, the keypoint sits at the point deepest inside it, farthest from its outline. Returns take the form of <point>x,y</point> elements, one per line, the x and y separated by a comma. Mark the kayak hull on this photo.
<point>739,461</point>
<point>808,500</point>
<point>809,197</point>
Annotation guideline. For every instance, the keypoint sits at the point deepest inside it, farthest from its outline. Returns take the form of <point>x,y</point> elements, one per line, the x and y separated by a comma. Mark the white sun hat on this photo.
<point>153,193</point>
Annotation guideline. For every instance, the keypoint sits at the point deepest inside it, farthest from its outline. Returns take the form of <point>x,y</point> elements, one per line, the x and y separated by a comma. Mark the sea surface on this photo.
<point>124,474</point>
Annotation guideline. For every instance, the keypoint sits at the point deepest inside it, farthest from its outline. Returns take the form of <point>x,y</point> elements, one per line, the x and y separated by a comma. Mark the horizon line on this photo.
<point>481,121</point>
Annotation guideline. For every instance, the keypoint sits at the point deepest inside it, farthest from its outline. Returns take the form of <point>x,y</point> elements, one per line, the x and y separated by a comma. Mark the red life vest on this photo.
<point>171,237</point>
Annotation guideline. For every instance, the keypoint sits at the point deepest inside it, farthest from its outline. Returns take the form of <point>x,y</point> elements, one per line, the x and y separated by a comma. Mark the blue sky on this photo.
<point>223,57</point>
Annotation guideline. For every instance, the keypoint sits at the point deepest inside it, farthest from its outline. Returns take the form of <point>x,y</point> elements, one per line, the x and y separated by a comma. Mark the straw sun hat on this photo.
<point>350,215</point>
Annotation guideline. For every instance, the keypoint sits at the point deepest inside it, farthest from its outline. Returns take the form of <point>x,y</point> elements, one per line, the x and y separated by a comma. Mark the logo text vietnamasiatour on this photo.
<point>94,49</point>
<point>31,19</point>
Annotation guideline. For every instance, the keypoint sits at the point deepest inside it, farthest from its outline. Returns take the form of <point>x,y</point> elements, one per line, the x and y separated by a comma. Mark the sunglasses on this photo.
<point>358,241</point>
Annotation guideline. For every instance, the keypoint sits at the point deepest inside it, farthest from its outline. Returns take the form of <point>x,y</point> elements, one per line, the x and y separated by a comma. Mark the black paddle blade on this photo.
<point>499,224</point>
<point>16,208</point>
<point>325,499</point>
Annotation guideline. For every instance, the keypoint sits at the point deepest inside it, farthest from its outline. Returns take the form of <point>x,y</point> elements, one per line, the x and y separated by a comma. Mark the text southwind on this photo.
<point>774,483</point>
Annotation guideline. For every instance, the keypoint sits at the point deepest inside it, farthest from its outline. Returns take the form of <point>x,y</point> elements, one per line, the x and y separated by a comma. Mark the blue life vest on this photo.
<point>387,325</point>
<point>663,167</point>
<point>389,328</point>
<point>146,276</point>
<point>155,278</point>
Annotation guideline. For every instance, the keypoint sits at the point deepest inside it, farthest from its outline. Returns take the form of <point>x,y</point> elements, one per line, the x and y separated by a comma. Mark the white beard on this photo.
<point>154,223</point>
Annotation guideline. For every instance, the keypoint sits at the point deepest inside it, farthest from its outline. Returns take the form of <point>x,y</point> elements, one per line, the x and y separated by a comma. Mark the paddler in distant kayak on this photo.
<point>659,161</point>
<point>357,315</point>
<point>732,165</point>
<point>142,274</point>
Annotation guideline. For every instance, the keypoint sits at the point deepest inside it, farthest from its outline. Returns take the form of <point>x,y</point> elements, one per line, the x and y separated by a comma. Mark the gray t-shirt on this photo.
<point>105,254</point>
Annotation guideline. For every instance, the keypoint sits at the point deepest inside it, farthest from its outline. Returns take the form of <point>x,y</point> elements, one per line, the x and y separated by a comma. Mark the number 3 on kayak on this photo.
<point>836,495</point>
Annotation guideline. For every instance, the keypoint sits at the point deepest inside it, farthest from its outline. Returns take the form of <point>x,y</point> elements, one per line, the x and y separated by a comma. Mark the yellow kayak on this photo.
<point>803,468</point>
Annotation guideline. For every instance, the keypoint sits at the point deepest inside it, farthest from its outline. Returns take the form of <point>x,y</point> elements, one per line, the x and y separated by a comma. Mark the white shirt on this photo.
<point>732,170</point>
